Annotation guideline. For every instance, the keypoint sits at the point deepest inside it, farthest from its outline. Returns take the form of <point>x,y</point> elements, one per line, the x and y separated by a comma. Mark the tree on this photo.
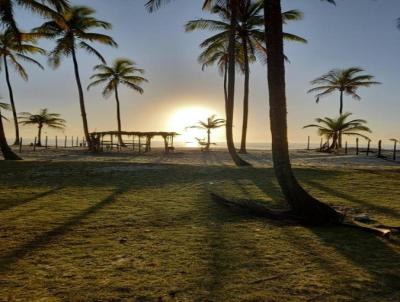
<point>306,208</point>
<point>14,49</point>
<point>47,8</point>
<point>332,128</point>
<point>41,119</point>
<point>212,123</point>
<point>346,81</point>
<point>72,31</point>
<point>8,153</point>
<point>122,72</point>
<point>249,36</point>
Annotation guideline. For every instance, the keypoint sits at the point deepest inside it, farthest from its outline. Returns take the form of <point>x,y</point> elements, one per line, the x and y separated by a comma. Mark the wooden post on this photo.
<point>346,148</point>
<point>308,143</point>
<point>45,144</point>
<point>77,141</point>
<point>394,150</point>
<point>368,147</point>
<point>140,143</point>
<point>112,142</point>
<point>133,142</point>
<point>72,141</point>
<point>65,142</point>
<point>56,142</point>
<point>34,144</point>
<point>20,145</point>
<point>357,148</point>
<point>380,148</point>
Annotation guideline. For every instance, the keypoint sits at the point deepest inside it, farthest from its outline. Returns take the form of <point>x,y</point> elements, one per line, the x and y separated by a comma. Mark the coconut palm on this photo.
<point>250,37</point>
<point>212,123</point>
<point>8,154</point>
<point>72,31</point>
<point>123,72</point>
<point>332,128</point>
<point>345,81</point>
<point>307,208</point>
<point>42,7</point>
<point>41,119</point>
<point>13,50</point>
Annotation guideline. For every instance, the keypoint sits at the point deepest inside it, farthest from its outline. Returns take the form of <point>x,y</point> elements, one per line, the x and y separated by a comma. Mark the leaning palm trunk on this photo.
<point>121,142</point>
<point>309,209</point>
<point>229,105</point>
<point>39,141</point>
<point>14,110</point>
<point>81,101</point>
<point>8,154</point>
<point>243,148</point>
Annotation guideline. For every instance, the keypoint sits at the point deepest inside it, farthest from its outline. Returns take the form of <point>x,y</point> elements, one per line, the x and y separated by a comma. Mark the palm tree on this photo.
<point>14,49</point>
<point>43,7</point>
<point>332,128</point>
<point>307,208</point>
<point>41,119</point>
<point>122,72</point>
<point>72,31</point>
<point>8,154</point>
<point>217,53</point>
<point>346,81</point>
<point>249,35</point>
<point>212,123</point>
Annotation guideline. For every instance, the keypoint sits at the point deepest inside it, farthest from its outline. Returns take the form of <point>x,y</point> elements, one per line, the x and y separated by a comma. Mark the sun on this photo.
<point>182,119</point>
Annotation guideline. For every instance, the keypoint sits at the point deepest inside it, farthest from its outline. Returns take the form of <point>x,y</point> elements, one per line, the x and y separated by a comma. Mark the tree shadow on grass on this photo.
<point>13,256</point>
<point>9,205</point>
<point>365,203</point>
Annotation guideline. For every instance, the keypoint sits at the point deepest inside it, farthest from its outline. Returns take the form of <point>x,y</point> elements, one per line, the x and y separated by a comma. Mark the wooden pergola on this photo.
<point>136,141</point>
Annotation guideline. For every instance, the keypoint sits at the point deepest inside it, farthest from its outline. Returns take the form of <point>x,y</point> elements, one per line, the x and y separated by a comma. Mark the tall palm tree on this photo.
<point>46,8</point>
<point>72,32</point>
<point>41,119</point>
<point>122,72</point>
<point>14,49</point>
<point>345,81</point>
<point>332,128</point>
<point>217,53</point>
<point>212,123</point>
<point>249,35</point>
<point>307,208</point>
<point>8,153</point>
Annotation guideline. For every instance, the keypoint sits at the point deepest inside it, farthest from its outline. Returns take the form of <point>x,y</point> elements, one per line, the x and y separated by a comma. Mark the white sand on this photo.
<point>213,158</point>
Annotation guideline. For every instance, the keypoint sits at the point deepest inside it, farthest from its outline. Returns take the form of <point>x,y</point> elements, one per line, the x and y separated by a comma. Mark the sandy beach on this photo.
<point>217,157</point>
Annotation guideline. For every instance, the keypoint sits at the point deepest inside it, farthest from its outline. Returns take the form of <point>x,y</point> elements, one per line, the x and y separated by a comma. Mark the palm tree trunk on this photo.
<point>340,112</point>
<point>39,142</point>
<point>225,83</point>
<point>8,154</point>
<point>229,106</point>
<point>119,117</point>
<point>243,148</point>
<point>14,110</point>
<point>81,101</point>
<point>309,209</point>
<point>208,139</point>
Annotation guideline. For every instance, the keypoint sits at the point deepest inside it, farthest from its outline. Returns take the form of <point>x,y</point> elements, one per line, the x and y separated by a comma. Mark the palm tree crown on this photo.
<point>72,30</point>
<point>346,81</point>
<point>332,128</point>
<point>123,71</point>
<point>43,7</point>
<point>41,119</point>
<point>15,49</point>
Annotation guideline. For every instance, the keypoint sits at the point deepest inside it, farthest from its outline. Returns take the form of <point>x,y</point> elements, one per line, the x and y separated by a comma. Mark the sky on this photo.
<point>354,33</point>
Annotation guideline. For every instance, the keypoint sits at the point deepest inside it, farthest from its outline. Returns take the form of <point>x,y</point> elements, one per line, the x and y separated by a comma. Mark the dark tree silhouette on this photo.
<point>8,154</point>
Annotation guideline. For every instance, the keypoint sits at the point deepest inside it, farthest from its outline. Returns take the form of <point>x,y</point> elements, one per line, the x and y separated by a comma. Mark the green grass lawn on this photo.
<point>74,231</point>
